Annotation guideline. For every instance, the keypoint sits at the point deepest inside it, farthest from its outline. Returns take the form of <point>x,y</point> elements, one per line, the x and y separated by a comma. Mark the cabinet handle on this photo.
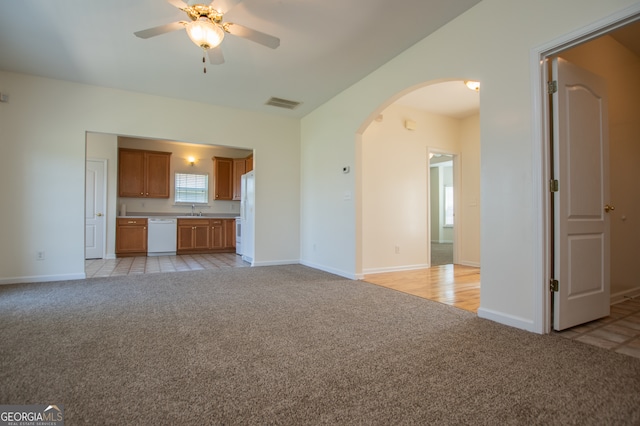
<point>144,228</point>
<point>142,193</point>
<point>131,221</point>
<point>147,194</point>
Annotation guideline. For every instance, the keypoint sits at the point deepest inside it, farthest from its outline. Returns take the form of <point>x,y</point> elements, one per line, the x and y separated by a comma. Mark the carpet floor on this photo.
<point>291,345</point>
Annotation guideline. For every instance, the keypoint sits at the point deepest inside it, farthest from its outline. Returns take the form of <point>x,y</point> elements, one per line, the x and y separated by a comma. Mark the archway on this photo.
<point>393,162</point>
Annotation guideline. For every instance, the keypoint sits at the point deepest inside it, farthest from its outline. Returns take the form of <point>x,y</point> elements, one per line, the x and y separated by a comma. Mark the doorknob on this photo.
<point>608,208</point>
<point>98,214</point>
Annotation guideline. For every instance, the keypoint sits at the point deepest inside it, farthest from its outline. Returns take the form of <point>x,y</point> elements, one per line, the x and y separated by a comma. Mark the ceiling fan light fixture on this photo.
<point>205,34</point>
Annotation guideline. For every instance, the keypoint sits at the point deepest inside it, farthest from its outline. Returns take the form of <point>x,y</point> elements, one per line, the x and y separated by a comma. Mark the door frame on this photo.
<point>104,203</point>
<point>541,155</point>
<point>456,199</point>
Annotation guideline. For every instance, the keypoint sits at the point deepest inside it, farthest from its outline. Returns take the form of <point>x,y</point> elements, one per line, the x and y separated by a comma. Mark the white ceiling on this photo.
<point>326,45</point>
<point>452,98</point>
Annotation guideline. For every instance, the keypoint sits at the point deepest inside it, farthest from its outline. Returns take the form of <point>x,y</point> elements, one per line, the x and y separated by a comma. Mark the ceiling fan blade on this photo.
<point>224,6</point>
<point>179,4</point>
<point>162,29</point>
<point>253,35</point>
<point>215,56</point>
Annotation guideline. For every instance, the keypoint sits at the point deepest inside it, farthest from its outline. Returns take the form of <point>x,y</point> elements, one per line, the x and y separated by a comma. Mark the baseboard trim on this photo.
<point>42,278</point>
<point>625,295</point>
<point>276,263</point>
<point>472,264</point>
<point>334,271</point>
<point>506,319</point>
<point>395,269</point>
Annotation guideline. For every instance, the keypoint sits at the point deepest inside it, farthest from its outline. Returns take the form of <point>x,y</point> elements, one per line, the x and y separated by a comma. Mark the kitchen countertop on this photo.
<point>182,216</point>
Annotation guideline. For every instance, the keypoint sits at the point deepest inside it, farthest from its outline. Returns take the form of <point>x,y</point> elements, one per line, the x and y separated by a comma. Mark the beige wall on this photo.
<point>620,68</point>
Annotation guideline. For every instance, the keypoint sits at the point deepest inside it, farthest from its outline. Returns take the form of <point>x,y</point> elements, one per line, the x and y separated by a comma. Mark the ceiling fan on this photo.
<point>207,28</point>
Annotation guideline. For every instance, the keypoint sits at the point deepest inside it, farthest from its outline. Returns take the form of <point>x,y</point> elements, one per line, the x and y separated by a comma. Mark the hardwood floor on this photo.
<point>454,285</point>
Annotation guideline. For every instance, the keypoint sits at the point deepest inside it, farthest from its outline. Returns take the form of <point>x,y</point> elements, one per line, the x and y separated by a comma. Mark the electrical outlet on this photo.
<point>40,255</point>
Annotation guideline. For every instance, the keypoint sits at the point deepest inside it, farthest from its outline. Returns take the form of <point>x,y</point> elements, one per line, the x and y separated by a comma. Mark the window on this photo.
<point>192,188</point>
<point>448,206</point>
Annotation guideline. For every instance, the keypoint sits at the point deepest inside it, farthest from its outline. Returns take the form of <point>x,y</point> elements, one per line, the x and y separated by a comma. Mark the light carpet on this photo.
<point>291,345</point>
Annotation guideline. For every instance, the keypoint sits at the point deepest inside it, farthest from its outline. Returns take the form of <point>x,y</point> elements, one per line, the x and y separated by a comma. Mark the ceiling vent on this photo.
<point>282,103</point>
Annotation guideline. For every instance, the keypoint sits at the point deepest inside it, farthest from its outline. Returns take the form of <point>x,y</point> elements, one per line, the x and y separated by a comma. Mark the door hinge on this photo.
<point>553,185</point>
<point>552,87</point>
<point>554,285</point>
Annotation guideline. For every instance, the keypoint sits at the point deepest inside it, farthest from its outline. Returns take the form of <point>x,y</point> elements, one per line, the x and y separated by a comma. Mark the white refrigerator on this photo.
<point>247,214</point>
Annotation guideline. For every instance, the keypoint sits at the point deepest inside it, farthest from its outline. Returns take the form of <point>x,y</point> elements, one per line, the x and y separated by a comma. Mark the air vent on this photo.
<point>283,103</point>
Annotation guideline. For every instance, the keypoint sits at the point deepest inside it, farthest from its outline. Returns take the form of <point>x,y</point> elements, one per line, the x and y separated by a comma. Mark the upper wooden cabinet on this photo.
<point>239,168</point>
<point>248,163</point>
<point>143,174</point>
<point>222,178</point>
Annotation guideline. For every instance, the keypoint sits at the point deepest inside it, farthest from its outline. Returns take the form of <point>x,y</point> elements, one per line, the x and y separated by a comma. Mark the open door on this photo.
<point>581,204</point>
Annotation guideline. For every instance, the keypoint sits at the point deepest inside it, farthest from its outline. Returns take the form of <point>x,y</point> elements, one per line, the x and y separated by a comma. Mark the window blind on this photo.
<point>192,188</point>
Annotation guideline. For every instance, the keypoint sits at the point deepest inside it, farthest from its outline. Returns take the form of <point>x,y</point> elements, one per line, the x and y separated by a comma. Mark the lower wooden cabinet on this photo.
<point>206,236</point>
<point>131,237</point>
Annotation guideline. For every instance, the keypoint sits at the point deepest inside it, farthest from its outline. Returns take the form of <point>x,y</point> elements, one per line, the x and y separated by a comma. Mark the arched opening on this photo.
<point>419,182</point>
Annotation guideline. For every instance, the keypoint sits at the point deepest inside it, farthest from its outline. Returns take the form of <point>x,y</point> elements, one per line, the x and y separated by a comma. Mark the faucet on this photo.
<point>193,210</point>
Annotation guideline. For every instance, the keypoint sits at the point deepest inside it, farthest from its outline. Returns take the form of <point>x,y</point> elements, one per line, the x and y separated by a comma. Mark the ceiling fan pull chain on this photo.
<point>204,63</point>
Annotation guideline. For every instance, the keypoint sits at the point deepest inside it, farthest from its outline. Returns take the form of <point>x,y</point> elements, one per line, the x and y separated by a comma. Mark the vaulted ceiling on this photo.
<point>325,46</point>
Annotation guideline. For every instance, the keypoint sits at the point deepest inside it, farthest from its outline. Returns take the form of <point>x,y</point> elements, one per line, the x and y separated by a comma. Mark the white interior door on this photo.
<point>581,241</point>
<point>95,193</point>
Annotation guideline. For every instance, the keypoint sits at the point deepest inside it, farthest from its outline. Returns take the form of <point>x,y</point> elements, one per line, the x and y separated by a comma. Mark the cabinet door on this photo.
<point>217,234</point>
<point>131,173</point>
<point>223,176</point>
<point>248,164</point>
<point>239,166</point>
<point>157,176</point>
<point>202,237</point>
<point>185,236</point>
<point>229,233</point>
<point>131,236</point>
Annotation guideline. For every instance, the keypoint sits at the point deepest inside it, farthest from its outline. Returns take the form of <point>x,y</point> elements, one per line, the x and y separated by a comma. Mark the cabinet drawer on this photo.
<point>193,222</point>
<point>132,221</point>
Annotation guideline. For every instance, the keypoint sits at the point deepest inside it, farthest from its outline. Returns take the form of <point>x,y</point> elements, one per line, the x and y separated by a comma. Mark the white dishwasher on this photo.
<point>162,235</point>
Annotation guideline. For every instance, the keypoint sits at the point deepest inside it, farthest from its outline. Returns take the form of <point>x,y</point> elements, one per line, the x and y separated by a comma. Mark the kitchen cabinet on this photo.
<point>193,234</point>
<point>200,235</point>
<point>239,168</point>
<point>217,234</point>
<point>131,237</point>
<point>248,163</point>
<point>223,178</point>
<point>229,233</point>
<point>143,174</point>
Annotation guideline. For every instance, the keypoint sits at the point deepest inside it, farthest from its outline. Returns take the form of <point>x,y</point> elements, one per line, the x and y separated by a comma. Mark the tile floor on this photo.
<point>147,265</point>
<point>620,331</point>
